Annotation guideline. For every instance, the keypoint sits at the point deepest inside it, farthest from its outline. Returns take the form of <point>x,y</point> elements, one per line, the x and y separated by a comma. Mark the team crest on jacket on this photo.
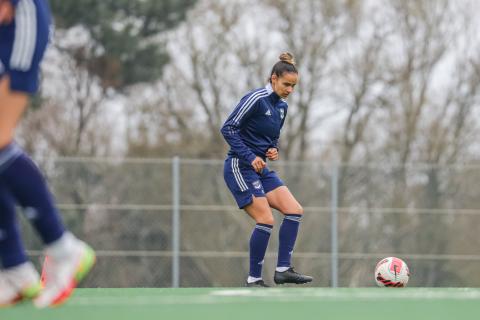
<point>257,184</point>
<point>282,113</point>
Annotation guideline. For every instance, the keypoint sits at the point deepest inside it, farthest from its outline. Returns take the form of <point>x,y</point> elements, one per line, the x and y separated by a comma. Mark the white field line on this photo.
<point>247,296</point>
<point>373,294</point>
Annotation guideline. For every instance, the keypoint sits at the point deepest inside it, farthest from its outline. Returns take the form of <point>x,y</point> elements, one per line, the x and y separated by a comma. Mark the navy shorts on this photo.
<point>244,182</point>
<point>23,43</point>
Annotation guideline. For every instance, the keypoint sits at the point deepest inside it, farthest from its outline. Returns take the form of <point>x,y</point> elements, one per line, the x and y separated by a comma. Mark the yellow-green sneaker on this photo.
<point>62,274</point>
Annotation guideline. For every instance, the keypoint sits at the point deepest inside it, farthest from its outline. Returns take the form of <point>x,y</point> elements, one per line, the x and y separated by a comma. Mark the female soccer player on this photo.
<point>24,31</point>
<point>252,131</point>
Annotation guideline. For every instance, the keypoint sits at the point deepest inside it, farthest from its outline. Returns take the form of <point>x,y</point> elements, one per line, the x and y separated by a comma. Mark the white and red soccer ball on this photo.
<point>392,272</point>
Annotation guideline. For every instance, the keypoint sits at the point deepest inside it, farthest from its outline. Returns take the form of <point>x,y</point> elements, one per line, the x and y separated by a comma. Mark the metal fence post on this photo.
<point>334,227</point>
<point>175,222</point>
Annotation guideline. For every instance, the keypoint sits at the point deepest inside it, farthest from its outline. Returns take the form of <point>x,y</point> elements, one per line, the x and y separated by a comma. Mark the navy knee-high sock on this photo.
<point>12,252</point>
<point>258,247</point>
<point>287,237</point>
<point>25,182</point>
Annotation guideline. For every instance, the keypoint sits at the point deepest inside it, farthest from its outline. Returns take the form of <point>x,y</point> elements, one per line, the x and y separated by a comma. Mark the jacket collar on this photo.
<point>275,97</point>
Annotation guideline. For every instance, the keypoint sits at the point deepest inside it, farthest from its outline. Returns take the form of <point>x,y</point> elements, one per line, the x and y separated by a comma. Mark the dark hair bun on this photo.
<point>287,57</point>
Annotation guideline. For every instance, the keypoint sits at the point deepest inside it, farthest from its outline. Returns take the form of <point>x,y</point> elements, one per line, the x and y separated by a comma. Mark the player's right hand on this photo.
<point>272,154</point>
<point>258,164</point>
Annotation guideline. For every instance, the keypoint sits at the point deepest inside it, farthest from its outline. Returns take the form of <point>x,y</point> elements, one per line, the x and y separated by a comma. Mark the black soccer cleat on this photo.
<point>291,276</point>
<point>257,284</point>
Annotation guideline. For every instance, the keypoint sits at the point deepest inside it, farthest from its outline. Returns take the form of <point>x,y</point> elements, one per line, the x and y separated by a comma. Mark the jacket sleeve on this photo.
<point>237,119</point>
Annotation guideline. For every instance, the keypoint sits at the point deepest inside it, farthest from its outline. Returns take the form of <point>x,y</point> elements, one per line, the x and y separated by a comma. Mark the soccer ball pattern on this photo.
<point>392,272</point>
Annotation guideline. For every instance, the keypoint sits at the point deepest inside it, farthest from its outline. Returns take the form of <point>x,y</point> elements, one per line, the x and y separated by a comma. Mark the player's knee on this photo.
<point>265,219</point>
<point>297,209</point>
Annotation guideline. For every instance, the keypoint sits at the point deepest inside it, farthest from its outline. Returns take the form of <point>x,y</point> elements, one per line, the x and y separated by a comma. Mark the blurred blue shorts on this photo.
<point>23,43</point>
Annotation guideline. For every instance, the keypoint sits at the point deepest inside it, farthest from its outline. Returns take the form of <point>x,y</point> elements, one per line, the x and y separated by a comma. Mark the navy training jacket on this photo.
<point>254,125</point>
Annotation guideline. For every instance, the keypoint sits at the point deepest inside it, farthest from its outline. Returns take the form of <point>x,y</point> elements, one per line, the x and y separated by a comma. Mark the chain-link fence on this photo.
<point>173,222</point>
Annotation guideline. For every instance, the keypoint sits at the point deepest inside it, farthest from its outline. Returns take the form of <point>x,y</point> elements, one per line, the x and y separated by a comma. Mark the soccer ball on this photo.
<point>391,272</point>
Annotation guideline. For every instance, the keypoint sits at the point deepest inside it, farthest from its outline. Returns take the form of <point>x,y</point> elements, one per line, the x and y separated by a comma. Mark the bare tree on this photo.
<point>73,119</point>
<point>427,116</point>
<point>312,30</point>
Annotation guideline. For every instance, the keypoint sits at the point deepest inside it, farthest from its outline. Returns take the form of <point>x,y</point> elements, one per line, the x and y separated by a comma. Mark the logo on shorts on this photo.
<point>257,184</point>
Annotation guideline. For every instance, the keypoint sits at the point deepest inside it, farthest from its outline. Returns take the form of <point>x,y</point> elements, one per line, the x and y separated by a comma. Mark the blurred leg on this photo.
<point>12,252</point>
<point>18,279</point>
<point>11,109</point>
<point>20,175</point>
<point>28,186</point>
<point>69,258</point>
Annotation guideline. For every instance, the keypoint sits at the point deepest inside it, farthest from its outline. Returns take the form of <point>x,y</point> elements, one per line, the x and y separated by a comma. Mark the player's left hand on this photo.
<point>272,154</point>
<point>6,12</point>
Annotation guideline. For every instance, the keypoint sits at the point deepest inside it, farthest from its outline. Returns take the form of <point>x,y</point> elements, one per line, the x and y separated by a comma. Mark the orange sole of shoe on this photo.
<point>83,269</point>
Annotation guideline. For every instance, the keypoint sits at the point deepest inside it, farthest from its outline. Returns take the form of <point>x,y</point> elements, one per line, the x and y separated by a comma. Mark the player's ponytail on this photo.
<point>286,64</point>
